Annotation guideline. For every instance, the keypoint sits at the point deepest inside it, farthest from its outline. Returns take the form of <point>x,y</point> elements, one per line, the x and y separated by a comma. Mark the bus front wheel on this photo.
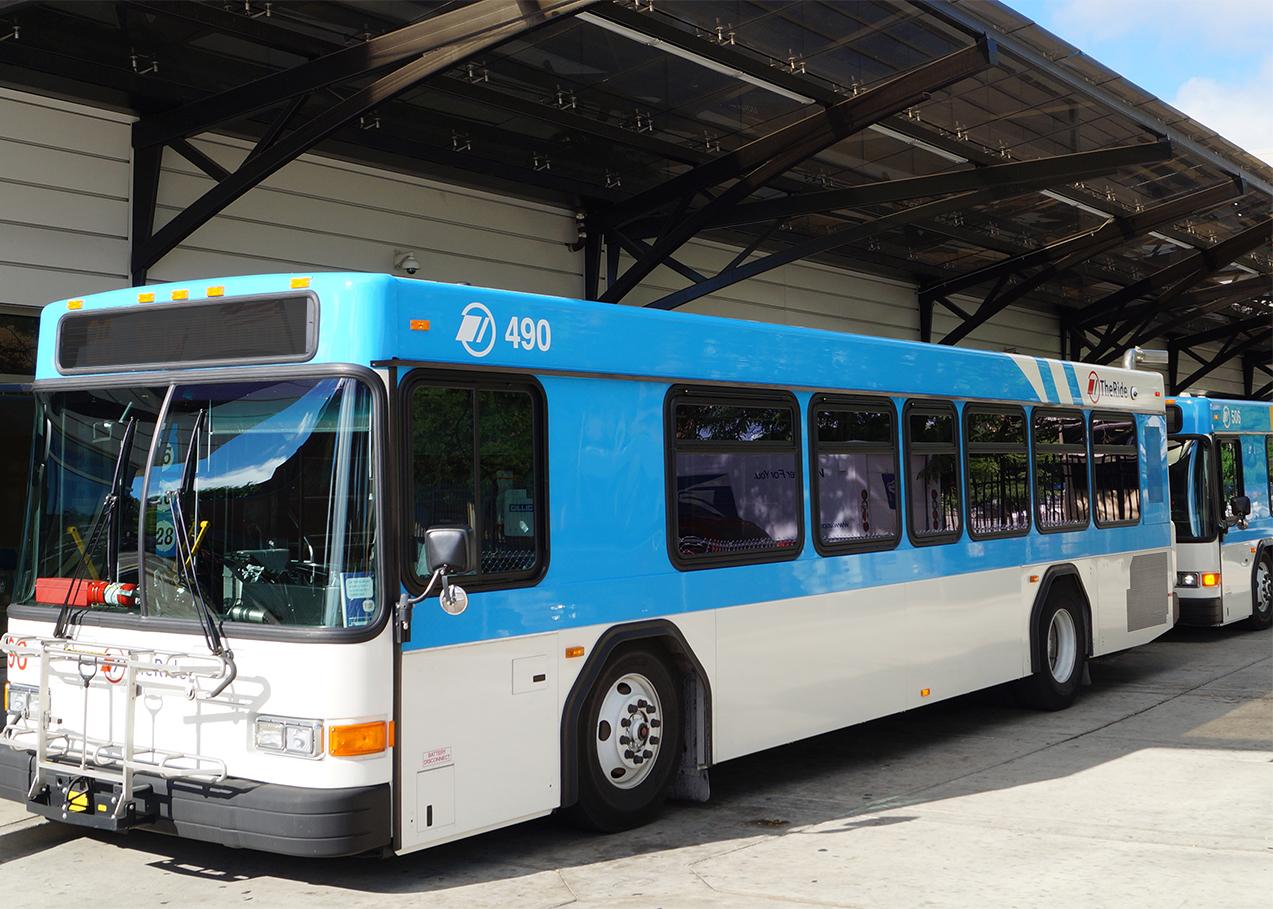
<point>1060,657</point>
<point>629,743</point>
<point>1262,594</point>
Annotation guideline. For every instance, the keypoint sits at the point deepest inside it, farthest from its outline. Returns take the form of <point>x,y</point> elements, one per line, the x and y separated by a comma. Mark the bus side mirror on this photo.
<point>1240,506</point>
<point>449,548</point>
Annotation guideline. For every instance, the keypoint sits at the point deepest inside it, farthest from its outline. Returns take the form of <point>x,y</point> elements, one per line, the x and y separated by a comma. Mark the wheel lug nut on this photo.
<point>655,724</point>
<point>637,759</point>
<point>624,740</point>
<point>628,754</point>
<point>641,703</point>
<point>647,754</point>
<point>632,708</point>
<point>654,740</point>
<point>625,723</point>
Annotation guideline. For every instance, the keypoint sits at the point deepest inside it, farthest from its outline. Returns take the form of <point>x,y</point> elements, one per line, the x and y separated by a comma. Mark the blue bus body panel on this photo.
<point>608,534</point>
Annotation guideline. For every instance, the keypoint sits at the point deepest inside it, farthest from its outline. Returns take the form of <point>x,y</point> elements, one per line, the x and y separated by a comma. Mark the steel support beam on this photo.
<point>1225,332</point>
<point>1062,168</point>
<point>1226,354</point>
<point>1065,255</point>
<point>836,239</point>
<point>448,39</point>
<point>1191,269</point>
<point>763,160</point>
<point>479,25</point>
<point>1116,231</point>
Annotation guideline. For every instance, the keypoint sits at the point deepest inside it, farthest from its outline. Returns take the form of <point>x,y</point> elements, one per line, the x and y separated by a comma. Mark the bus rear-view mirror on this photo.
<point>449,548</point>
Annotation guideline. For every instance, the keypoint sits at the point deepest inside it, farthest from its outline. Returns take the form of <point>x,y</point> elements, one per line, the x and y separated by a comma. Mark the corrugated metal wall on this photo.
<point>64,185</point>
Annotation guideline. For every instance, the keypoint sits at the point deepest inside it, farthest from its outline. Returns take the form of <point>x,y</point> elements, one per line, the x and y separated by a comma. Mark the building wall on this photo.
<point>64,225</point>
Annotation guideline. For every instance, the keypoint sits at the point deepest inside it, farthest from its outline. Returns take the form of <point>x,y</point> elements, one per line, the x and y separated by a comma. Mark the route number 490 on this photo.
<point>529,334</point>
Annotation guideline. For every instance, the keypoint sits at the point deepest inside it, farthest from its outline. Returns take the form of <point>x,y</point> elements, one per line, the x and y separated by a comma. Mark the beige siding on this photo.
<point>64,225</point>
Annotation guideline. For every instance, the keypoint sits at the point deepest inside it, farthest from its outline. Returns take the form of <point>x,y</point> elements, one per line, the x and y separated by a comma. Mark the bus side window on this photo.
<point>1268,466</point>
<point>476,460</point>
<point>734,493</point>
<point>854,451</point>
<point>1231,483</point>
<point>1060,470</point>
<point>1115,469</point>
<point>932,472</point>
<point>997,479</point>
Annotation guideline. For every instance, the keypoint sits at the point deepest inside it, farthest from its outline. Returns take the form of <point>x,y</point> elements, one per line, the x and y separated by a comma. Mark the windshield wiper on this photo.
<point>185,552</point>
<point>108,518</point>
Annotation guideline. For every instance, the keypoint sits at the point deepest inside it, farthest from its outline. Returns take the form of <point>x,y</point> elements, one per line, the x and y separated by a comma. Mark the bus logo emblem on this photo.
<point>477,330</point>
<point>1093,386</point>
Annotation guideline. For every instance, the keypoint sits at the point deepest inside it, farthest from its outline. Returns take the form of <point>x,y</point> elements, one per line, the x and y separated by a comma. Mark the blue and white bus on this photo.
<point>1221,461</point>
<point>330,564</point>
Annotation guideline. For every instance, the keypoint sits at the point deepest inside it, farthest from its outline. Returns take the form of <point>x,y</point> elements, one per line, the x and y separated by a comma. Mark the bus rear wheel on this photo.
<point>1262,594</point>
<point>1060,658</point>
<point>629,743</point>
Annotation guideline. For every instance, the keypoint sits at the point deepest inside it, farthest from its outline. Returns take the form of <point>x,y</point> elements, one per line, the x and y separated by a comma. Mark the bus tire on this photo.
<point>629,742</point>
<point>1061,657</point>
<point>1262,594</point>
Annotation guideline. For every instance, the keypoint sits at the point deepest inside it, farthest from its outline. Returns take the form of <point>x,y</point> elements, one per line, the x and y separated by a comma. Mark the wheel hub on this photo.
<point>1062,646</point>
<point>628,731</point>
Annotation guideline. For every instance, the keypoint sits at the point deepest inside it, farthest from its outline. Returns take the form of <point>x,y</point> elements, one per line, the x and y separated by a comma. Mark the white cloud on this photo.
<point>1242,113</point>
<point>1220,24</point>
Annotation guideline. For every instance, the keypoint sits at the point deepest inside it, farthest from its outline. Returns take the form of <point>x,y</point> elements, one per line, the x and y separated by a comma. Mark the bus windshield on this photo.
<point>1193,510</point>
<point>259,501</point>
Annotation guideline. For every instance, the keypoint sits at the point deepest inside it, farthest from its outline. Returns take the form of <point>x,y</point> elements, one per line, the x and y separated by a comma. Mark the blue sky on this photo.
<point>1212,59</point>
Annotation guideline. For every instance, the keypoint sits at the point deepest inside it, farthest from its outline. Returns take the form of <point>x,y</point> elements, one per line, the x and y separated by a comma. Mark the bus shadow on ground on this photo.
<point>837,782</point>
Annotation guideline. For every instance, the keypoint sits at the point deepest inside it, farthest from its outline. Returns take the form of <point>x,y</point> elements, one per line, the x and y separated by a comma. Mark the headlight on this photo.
<point>1186,579</point>
<point>23,700</point>
<point>283,735</point>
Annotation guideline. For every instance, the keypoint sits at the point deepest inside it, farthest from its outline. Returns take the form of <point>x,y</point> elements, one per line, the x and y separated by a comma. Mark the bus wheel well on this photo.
<point>665,639</point>
<point>1062,581</point>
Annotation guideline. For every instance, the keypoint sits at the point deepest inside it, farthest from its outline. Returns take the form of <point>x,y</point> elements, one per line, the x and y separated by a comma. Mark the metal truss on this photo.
<point>398,61</point>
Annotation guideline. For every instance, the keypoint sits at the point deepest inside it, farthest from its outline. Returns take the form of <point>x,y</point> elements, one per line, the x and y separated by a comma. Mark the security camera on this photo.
<point>406,261</point>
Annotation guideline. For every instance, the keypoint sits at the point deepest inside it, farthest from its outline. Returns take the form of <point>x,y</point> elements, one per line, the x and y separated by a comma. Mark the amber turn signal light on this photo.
<point>1210,578</point>
<point>360,738</point>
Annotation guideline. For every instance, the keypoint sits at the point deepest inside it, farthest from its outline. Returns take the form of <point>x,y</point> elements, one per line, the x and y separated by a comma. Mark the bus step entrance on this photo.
<point>90,801</point>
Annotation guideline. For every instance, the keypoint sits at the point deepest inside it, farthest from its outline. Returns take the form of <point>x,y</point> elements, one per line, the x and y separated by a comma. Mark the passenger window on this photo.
<point>1060,470</point>
<point>932,473</point>
<point>476,461</point>
<point>854,474</point>
<point>1230,470</point>
<point>1115,469</point>
<point>998,478</point>
<point>1268,465</point>
<point>735,466</point>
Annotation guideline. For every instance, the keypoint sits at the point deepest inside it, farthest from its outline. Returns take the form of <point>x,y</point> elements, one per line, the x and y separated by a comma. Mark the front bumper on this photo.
<point>271,817</point>
<point>1205,611</point>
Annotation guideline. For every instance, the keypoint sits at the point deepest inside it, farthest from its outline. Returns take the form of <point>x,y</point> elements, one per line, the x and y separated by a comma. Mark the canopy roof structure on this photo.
<point>957,145</point>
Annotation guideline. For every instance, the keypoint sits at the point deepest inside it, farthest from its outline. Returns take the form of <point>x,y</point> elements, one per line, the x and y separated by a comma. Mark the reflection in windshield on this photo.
<point>1192,503</point>
<point>277,501</point>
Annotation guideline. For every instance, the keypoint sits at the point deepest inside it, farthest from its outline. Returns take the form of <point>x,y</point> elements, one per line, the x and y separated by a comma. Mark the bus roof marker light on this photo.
<point>74,304</point>
<point>419,324</point>
<point>216,290</point>
<point>147,297</point>
<point>179,295</point>
<point>925,692</point>
<point>299,283</point>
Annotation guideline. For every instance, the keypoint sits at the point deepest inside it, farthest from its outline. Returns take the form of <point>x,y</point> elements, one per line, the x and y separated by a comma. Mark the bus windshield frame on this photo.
<point>297,409</point>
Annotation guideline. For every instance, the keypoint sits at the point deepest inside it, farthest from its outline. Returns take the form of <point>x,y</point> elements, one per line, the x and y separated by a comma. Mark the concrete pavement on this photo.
<point>1156,789</point>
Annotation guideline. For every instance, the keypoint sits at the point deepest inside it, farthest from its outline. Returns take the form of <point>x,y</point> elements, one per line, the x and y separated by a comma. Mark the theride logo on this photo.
<point>477,330</point>
<point>1098,388</point>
